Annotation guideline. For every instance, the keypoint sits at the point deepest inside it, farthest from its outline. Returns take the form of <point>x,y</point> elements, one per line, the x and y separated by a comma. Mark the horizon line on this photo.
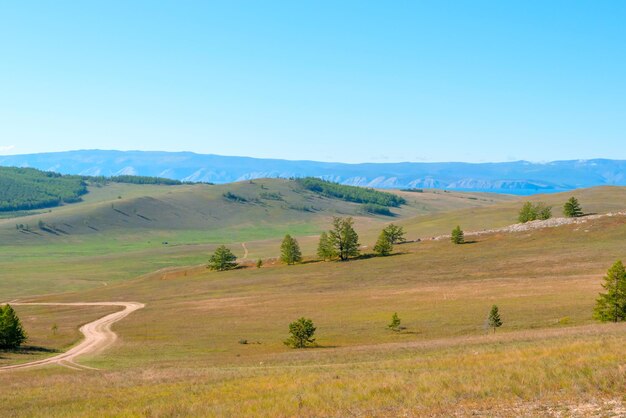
<point>544,162</point>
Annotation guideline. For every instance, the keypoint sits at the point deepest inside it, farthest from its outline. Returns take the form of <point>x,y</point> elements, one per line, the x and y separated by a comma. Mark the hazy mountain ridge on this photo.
<point>513,177</point>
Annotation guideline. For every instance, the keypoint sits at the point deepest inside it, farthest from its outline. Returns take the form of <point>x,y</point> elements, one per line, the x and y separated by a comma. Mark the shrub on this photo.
<point>234,197</point>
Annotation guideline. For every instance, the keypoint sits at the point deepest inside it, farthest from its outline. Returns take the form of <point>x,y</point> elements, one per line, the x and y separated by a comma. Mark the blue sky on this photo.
<point>333,81</point>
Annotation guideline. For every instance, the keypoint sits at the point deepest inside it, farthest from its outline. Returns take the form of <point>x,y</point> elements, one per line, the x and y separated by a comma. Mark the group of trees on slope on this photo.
<point>130,179</point>
<point>341,242</point>
<point>12,333</point>
<point>27,189</point>
<point>351,193</point>
<point>540,211</point>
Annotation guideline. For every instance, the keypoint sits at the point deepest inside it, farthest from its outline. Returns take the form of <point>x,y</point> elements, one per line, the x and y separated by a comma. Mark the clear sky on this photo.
<point>349,81</point>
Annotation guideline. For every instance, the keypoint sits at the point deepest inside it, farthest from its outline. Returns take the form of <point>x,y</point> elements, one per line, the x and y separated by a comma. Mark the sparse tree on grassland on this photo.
<point>457,236</point>
<point>290,250</point>
<point>344,239</point>
<point>527,213</point>
<point>572,208</point>
<point>383,245</point>
<point>259,263</point>
<point>395,322</point>
<point>394,233</point>
<point>532,212</point>
<point>494,320</point>
<point>611,306</point>
<point>222,259</point>
<point>302,331</point>
<point>12,333</point>
<point>325,249</point>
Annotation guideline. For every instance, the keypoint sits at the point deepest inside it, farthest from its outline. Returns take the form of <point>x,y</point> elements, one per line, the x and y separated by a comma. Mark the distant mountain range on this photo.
<point>519,177</point>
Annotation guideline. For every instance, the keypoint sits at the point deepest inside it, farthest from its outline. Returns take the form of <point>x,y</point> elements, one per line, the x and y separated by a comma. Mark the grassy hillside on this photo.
<point>594,200</point>
<point>181,354</point>
<point>121,231</point>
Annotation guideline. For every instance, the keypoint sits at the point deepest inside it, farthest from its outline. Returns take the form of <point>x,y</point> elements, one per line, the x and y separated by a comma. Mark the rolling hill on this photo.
<point>520,177</point>
<point>211,343</point>
<point>120,230</point>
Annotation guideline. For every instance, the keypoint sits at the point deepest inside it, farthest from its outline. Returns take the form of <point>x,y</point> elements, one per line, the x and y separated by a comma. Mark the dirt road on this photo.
<point>98,335</point>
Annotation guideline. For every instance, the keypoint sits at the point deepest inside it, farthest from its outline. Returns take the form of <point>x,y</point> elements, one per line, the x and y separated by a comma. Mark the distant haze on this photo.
<point>518,177</point>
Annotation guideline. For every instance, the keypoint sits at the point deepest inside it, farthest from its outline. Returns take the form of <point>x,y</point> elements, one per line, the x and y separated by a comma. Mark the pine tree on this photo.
<point>302,331</point>
<point>12,333</point>
<point>572,208</point>
<point>259,263</point>
<point>383,245</point>
<point>457,236</point>
<point>494,320</point>
<point>344,239</point>
<point>395,322</point>
<point>290,250</point>
<point>325,249</point>
<point>611,306</point>
<point>222,259</point>
<point>394,233</point>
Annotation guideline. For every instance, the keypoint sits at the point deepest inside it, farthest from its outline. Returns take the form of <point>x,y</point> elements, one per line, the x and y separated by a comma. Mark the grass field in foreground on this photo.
<point>181,354</point>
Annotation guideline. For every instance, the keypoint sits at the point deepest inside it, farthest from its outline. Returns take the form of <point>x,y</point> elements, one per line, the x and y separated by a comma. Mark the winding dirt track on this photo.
<point>98,335</point>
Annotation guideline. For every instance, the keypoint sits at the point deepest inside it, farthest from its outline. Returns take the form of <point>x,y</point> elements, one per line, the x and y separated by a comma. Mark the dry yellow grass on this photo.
<point>181,354</point>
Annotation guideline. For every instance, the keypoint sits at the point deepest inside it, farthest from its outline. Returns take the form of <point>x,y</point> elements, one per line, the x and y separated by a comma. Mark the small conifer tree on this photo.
<point>302,331</point>
<point>222,259</point>
<point>611,306</point>
<point>12,333</point>
<point>383,245</point>
<point>494,320</point>
<point>325,249</point>
<point>290,250</point>
<point>457,236</point>
<point>395,322</point>
<point>259,263</point>
<point>572,208</point>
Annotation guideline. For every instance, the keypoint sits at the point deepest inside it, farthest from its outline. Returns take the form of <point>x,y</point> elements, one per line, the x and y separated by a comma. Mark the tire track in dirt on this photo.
<point>98,335</point>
